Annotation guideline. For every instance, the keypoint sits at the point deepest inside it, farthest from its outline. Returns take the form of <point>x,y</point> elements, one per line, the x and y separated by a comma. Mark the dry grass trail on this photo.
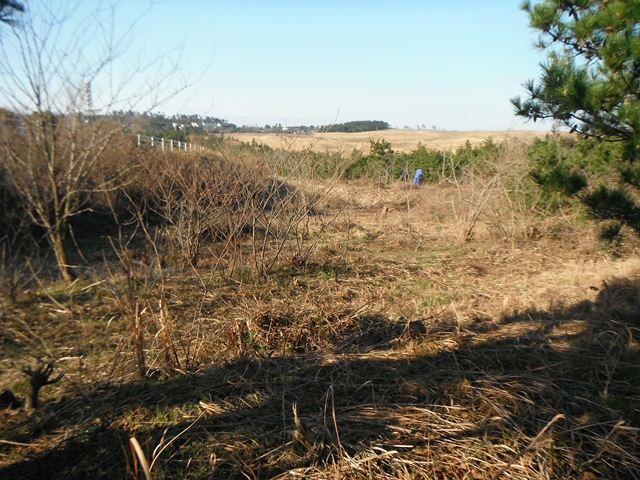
<point>562,259</point>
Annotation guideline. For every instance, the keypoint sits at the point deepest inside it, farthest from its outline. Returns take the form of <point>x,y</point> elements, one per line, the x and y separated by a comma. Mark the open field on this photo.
<point>401,140</point>
<point>446,331</point>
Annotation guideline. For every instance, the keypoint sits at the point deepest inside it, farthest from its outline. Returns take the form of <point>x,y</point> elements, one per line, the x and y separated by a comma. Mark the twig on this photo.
<point>528,447</point>
<point>335,419</point>
<point>604,443</point>
<point>249,473</point>
<point>9,442</point>
<point>46,290</point>
<point>157,453</point>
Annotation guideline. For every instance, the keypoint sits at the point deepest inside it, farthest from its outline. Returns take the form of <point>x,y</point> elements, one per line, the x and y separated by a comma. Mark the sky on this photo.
<point>453,65</point>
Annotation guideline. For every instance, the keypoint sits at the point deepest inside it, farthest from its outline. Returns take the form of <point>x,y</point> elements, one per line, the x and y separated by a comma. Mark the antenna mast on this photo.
<point>87,99</point>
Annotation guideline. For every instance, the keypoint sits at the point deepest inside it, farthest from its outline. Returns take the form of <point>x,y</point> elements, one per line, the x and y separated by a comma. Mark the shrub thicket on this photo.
<point>383,164</point>
<point>568,168</point>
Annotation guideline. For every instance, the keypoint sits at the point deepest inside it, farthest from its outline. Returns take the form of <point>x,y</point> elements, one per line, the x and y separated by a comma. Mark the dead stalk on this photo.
<point>513,459</point>
<point>139,454</point>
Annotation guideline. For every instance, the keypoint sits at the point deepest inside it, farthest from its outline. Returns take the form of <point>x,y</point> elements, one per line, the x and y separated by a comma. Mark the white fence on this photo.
<point>170,144</point>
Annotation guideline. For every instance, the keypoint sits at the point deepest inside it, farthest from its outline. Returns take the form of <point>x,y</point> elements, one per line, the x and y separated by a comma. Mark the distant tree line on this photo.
<point>156,123</point>
<point>178,127</point>
<point>358,126</point>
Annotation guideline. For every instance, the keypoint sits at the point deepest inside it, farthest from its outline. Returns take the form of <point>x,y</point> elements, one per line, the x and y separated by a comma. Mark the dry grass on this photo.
<point>408,352</point>
<point>401,140</point>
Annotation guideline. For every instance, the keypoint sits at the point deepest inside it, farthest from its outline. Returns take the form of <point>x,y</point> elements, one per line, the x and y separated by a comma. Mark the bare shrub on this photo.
<point>200,198</point>
<point>518,209</point>
<point>248,206</point>
<point>474,188</point>
<point>282,210</point>
<point>51,144</point>
<point>498,187</point>
<point>139,293</point>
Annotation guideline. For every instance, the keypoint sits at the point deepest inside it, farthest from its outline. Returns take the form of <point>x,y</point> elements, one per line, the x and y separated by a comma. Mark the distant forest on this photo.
<point>178,127</point>
<point>359,126</point>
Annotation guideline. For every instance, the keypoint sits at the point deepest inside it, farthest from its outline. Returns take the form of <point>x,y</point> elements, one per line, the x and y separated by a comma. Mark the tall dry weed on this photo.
<point>496,189</point>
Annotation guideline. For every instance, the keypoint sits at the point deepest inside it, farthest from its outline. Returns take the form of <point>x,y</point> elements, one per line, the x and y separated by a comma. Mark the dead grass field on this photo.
<point>401,140</point>
<point>406,351</point>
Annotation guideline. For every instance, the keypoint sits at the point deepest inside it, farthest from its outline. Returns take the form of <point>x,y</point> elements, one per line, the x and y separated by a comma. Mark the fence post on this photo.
<point>187,147</point>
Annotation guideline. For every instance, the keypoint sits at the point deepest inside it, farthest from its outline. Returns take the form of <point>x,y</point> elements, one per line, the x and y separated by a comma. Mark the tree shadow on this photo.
<point>486,388</point>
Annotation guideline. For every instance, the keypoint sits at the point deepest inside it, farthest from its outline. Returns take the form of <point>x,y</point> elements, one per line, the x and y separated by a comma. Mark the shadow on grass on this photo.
<point>453,401</point>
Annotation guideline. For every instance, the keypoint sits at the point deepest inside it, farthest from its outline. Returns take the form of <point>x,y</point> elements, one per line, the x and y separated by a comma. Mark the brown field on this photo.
<point>401,140</point>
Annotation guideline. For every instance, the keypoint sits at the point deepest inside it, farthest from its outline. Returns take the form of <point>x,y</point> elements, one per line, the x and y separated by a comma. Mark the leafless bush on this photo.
<point>200,198</point>
<point>51,145</point>
<point>245,205</point>
<point>282,211</point>
<point>137,282</point>
<point>474,188</point>
<point>497,186</point>
<point>519,210</point>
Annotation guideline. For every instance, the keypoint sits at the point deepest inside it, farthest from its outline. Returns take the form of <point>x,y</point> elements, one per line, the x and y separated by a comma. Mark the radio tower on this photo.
<point>87,99</point>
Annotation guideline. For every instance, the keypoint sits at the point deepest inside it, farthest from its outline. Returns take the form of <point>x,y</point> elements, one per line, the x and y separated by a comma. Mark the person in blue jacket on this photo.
<point>417,180</point>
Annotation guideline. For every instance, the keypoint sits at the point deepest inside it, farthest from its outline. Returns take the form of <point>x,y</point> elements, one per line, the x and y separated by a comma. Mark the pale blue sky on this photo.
<point>453,64</point>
